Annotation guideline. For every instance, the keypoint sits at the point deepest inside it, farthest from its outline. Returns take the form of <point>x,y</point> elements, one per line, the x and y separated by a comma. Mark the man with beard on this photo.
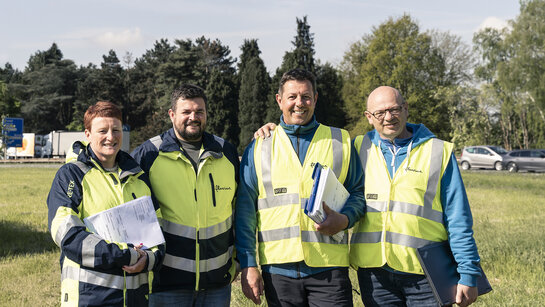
<point>194,176</point>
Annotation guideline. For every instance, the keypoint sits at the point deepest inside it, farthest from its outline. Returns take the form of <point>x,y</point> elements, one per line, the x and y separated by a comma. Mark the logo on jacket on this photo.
<point>218,188</point>
<point>280,191</point>
<point>409,169</point>
<point>70,190</point>
<point>371,196</point>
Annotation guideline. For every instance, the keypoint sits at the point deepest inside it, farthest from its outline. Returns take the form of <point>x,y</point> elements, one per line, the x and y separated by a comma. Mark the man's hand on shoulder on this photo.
<point>265,131</point>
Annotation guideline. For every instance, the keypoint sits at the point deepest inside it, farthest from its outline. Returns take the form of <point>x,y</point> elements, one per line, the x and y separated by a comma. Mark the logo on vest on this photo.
<point>409,169</point>
<point>371,196</point>
<point>314,163</point>
<point>280,190</point>
<point>70,190</point>
<point>218,188</point>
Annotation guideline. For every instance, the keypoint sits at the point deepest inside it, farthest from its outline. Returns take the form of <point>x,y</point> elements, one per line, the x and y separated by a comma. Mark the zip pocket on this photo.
<point>213,190</point>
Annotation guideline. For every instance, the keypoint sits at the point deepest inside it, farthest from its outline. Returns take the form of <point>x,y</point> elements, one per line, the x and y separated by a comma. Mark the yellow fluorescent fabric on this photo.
<point>285,233</point>
<point>403,212</point>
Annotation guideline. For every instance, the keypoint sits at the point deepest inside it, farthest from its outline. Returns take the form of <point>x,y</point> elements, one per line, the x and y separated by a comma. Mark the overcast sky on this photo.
<point>86,30</point>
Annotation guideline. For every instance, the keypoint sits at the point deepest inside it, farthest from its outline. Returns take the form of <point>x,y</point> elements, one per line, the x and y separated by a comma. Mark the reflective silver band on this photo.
<point>92,277</point>
<point>156,141</point>
<point>206,265</point>
<point>376,206</point>
<point>191,232</point>
<point>337,145</point>
<point>294,232</point>
<point>407,208</point>
<point>136,281</point>
<point>266,155</point>
<point>391,237</point>
<point>366,237</point>
<point>277,200</point>
<point>82,166</point>
<point>88,246</point>
<point>278,234</point>
<point>364,151</point>
<point>436,161</point>
<point>215,230</point>
<point>317,237</point>
<point>65,226</point>
<point>421,211</point>
<point>178,230</point>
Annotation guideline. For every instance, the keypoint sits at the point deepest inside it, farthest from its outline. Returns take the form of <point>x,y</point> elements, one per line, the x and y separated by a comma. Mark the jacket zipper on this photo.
<point>213,191</point>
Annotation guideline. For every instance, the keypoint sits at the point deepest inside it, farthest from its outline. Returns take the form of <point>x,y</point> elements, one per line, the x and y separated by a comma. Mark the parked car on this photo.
<point>482,157</point>
<point>525,159</point>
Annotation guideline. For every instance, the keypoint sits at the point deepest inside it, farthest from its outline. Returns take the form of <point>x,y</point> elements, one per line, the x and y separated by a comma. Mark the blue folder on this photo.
<point>316,176</point>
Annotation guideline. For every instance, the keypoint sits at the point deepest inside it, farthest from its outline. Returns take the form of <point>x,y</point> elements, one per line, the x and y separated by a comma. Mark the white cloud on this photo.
<point>119,38</point>
<point>493,22</point>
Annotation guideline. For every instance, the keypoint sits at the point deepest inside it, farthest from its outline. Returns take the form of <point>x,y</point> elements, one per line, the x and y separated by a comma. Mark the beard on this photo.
<point>191,135</point>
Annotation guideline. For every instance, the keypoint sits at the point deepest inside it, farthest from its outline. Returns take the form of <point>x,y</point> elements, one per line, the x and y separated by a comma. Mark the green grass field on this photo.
<point>507,211</point>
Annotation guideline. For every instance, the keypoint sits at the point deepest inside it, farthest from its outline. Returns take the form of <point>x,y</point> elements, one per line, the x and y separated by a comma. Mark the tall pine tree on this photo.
<point>254,92</point>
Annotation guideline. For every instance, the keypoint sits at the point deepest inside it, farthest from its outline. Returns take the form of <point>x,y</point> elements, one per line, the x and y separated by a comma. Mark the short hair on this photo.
<point>297,74</point>
<point>101,109</point>
<point>186,91</point>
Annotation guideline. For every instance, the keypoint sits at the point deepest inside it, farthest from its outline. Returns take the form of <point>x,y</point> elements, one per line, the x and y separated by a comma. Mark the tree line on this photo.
<point>490,93</point>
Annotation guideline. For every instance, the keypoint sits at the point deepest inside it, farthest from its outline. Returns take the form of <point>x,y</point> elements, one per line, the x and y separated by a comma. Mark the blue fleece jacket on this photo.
<point>247,194</point>
<point>456,211</point>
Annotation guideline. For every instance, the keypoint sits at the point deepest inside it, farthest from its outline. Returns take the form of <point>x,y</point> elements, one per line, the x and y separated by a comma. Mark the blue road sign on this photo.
<point>12,129</point>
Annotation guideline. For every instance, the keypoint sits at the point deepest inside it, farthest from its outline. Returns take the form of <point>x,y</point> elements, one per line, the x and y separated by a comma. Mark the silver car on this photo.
<point>525,159</point>
<point>482,157</point>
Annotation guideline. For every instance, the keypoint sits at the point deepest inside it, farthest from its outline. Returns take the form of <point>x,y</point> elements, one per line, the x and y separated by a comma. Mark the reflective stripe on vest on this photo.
<point>191,232</point>
<point>190,265</point>
<point>104,279</point>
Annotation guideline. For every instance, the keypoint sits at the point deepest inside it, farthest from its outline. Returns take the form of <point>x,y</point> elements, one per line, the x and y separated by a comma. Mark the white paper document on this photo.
<point>132,222</point>
<point>326,189</point>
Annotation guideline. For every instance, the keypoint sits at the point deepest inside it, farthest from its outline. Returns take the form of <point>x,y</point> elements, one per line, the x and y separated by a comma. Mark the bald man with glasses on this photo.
<point>415,196</point>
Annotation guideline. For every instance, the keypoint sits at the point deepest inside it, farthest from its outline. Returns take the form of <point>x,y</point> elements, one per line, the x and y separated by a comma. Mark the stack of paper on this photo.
<point>328,189</point>
<point>132,222</point>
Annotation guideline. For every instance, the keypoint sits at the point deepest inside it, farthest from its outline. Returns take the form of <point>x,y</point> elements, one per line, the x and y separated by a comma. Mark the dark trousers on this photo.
<point>380,287</point>
<point>329,288</point>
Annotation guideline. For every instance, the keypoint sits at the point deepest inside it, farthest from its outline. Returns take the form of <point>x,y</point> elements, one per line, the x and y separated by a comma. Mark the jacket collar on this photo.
<point>213,145</point>
<point>299,129</point>
<point>124,161</point>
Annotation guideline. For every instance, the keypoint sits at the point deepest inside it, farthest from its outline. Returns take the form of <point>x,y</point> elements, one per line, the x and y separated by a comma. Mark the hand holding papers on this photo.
<point>326,189</point>
<point>132,222</point>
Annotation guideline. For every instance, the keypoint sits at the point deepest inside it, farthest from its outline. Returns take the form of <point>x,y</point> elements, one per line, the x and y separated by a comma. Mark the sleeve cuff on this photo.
<point>247,261</point>
<point>151,260</point>
<point>134,256</point>
<point>468,280</point>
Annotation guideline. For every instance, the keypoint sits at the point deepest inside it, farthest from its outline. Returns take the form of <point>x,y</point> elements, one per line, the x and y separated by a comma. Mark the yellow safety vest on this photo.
<point>285,233</point>
<point>403,212</point>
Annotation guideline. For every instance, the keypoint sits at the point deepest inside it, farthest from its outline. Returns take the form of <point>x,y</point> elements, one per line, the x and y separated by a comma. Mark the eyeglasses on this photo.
<point>395,111</point>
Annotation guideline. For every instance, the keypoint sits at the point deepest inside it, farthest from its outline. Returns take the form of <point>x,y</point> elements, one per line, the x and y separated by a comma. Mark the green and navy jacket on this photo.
<point>197,210</point>
<point>91,267</point>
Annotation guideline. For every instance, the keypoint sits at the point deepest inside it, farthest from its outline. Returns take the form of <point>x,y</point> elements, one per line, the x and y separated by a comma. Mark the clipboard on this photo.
<point>440,267</point>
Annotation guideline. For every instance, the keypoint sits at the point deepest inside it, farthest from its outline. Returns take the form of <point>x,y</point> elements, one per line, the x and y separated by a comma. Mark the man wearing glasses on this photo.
<point>415,196</point>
